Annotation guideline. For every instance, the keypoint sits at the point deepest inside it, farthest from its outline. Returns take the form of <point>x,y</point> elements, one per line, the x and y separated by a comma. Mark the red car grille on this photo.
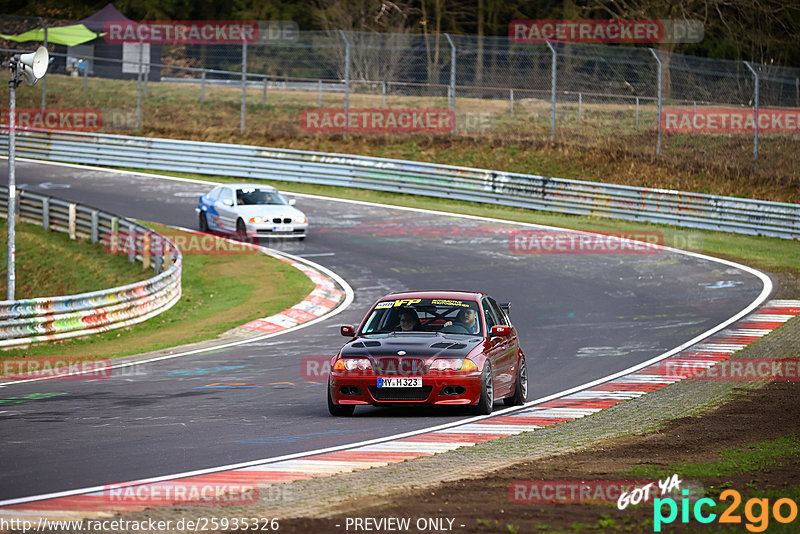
<point>400,394</point>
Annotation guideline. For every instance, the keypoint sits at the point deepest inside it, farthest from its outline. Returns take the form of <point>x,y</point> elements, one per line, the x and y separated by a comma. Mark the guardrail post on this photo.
<point>95,226</point>
<point>244,82</point>
<point>755,116</point>
<point>46,213</point>
<point>552,94</point>
<point>158,243</point>
<point>167,255</point>
<point>130,244</point>
<point>73,219</point>
<point>658,113</point>
<point>146,250</point>
<point>203,86</point>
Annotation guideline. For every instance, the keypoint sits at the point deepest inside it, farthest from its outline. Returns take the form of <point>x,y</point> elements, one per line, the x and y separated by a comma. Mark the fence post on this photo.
<point>755,116</point>
<point>511,102</point>
<point>203,86</point>
<point>383,94</point>
<point>346,81</point>
<point>580,107</point>
<point>146,72</point>
<point>264,93</point>
<point>139,90</point>
<point>658,113</point>
<point>86,71</point>
<point>319,93</point>
<point>636,126</point>
<point>552,94</point>
<point>452,91</point>
<point>244,82</point>
<point>694,113</point>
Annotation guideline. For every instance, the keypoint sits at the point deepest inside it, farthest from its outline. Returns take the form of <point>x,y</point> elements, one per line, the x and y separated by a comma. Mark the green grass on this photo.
<point>771,254</point>
<point>755,457</point>
<point>41,258</point>
<point>219,293</point>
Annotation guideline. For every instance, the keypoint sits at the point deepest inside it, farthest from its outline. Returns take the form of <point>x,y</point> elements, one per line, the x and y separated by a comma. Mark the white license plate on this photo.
<point>400,382</point>
<point>282,228</point>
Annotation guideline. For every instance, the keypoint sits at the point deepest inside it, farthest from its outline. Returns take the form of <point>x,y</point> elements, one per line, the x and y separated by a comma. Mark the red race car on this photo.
<point>430,347</point>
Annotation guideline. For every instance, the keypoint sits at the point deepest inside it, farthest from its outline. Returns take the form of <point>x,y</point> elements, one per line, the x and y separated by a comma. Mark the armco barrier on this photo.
<point>49,318</point>
<point>755,217</point>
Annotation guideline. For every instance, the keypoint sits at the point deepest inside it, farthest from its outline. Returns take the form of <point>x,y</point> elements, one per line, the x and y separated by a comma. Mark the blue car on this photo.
<point>254,210</point>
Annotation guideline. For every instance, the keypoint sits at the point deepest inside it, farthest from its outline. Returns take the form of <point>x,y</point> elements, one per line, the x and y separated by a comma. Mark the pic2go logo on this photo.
<point>757,522</point>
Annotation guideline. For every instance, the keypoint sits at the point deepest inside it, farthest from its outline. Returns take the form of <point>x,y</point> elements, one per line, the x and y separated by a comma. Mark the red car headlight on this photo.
<point>353,365</point>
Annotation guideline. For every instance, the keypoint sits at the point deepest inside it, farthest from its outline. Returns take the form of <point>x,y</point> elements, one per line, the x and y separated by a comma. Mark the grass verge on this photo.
<point>41,258</point>
<point>220,292</point>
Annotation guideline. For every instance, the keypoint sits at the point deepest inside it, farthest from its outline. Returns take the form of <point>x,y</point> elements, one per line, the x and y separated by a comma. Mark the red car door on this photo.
<point>507,348</point>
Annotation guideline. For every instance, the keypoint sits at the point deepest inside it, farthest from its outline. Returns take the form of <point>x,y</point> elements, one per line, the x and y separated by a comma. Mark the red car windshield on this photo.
<point>449,316</point>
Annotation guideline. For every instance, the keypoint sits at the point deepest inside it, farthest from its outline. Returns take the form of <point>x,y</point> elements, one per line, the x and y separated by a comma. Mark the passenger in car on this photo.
<point>409,320</point>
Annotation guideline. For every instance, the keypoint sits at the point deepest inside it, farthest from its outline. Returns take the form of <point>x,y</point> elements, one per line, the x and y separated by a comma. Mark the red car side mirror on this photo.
<point>501,330</point>
<point>347,330</point>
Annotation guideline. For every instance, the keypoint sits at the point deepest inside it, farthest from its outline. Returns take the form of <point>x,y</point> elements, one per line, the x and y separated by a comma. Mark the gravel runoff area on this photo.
<point>314,505</point>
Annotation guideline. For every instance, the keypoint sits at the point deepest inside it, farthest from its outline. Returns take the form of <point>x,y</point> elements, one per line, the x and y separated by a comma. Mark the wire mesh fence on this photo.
<point>583,95</point>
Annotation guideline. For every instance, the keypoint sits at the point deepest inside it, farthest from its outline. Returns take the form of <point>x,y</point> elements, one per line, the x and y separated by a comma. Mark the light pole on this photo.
<point>28,67</point>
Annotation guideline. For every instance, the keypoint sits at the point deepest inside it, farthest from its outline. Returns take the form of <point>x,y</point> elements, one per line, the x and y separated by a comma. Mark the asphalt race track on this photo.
<point>580,316</point>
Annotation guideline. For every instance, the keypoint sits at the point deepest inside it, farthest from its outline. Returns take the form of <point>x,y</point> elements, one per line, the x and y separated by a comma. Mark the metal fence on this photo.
<point>692,210</point>
<point>566,92</point>
<point>50,318</point>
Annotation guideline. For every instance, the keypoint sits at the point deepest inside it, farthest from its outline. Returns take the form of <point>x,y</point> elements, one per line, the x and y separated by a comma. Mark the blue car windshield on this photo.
<point>250,196</point>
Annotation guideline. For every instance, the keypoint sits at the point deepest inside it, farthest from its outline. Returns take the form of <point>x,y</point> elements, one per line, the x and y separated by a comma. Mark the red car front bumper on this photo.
<point>441,389</point>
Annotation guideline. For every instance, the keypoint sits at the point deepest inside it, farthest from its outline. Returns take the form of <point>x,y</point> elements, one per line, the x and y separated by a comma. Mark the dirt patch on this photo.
<point>484,504</point>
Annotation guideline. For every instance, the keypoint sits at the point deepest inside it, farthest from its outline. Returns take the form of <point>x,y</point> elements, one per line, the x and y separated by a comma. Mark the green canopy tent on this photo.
<point>61,35</point>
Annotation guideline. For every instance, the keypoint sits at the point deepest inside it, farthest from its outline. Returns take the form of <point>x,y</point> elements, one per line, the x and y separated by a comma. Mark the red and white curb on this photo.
<point>325,297</point>
<point>712,350</point>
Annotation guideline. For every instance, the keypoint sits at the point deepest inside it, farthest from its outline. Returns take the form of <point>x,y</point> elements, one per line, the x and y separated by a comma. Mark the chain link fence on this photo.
<point>581,95</point>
